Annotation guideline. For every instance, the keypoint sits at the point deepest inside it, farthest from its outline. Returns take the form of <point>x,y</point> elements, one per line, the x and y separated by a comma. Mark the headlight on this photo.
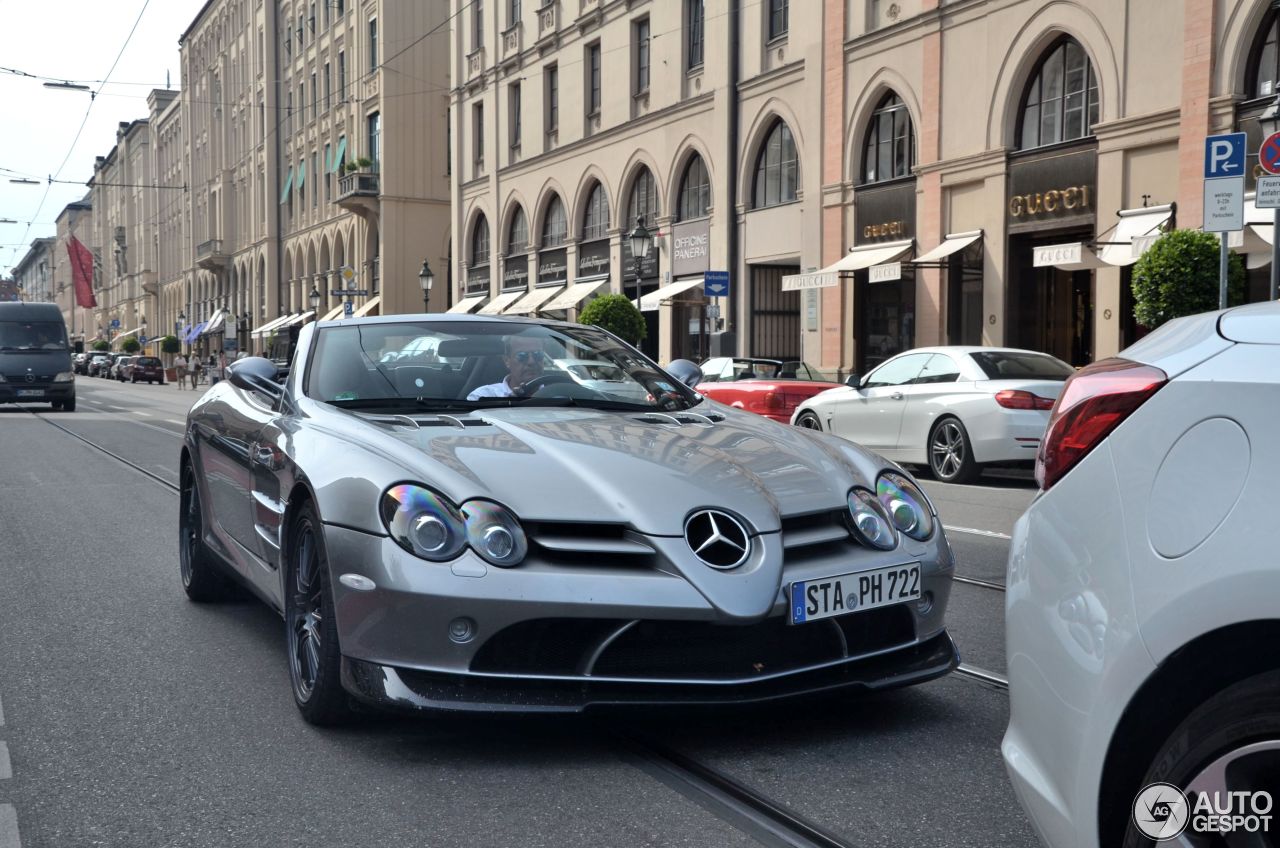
<point>423,523</point>
<point>2,379</point>
<point>907,506</point>
<point>871,522</point>
<point>64,377</point>
<point>494,533</point>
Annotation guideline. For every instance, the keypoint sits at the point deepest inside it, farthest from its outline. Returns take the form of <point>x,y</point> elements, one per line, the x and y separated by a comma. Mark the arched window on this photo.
<point>1061,102</point>
<point>1264,69</point>
<point>595,220</point>
<point>695,190</point>
<point>554,227</point>
<point>480,243</point>
<point>518,234</point>
<point>643,202</point>
<point>777,168</point>
<point>890,147</point>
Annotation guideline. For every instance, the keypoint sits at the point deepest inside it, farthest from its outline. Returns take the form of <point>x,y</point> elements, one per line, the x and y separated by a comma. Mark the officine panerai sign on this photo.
<point>691,247</point>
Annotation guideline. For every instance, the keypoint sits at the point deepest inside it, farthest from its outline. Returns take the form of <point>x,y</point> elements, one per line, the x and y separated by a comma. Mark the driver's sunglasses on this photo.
<point>525,356</point>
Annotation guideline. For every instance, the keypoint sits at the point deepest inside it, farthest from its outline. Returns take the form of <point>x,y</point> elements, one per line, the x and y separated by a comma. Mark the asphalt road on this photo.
<point>130,717</point>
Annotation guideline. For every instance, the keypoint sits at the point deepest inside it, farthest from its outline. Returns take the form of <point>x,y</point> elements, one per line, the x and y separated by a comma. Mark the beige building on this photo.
<point>574,118</point>
<point>34,272</point>
<point>75,221</point>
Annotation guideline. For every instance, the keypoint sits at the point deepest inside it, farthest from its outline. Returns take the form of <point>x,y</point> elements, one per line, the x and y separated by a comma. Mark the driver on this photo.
<point>524,358</point>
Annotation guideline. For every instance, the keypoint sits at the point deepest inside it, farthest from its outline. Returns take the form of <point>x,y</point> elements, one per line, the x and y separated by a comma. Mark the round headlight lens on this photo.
<point>907,506</point>
<point>423,522</point>
<point>871,521</point>
<point>494,533</point>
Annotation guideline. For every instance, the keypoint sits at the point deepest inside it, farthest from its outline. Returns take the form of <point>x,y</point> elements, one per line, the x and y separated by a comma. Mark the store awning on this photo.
<point>370,306</point>
<point>271,326</point>
<point>1072,256</point>
<point>302,173</point>
<point>1125,243</point>
<point>1254,241</point>
<point>857,259</point>
<point>530,303</point>
<point>332,314</point>
<point>952,243</point>
<point>653,299</point>
<point>194,332</point>
<point>122,336</point>
<point>288,186</point>
<point>339,155</point>
<point>215,324</point>
<point>300,318</point>
<point>501,302</point>
<point>573,295</point>
<point>467,304</point>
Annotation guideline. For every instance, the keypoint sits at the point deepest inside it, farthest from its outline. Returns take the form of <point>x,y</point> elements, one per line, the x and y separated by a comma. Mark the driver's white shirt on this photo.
<point>501,389</point>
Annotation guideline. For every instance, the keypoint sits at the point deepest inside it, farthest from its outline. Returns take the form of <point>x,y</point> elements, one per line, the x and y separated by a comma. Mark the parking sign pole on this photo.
<point>1223,267</point>
<point>1275,253</point>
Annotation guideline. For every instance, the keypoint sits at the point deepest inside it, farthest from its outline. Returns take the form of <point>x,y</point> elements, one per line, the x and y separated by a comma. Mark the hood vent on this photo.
<point>679,419</point>
<point>418,423</point>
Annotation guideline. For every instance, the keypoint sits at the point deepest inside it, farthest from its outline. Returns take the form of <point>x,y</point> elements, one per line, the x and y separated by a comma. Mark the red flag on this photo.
<point>82,273</point>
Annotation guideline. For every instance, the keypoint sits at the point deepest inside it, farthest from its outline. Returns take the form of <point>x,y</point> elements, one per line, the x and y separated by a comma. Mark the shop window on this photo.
<point>889,152</point>
<point>1264,65</point>
<point>480,242</point>
<point>595,222</point>
<point>695,191</point>
<point>555,227</point>
<point>643,202</point>
<point>518,234</point>
<point>777,168</point>
<point>1061,101</point>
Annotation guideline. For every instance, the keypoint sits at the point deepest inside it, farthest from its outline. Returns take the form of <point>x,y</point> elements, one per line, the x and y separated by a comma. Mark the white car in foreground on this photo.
<point>1143,604</point>
<point>954,409</point>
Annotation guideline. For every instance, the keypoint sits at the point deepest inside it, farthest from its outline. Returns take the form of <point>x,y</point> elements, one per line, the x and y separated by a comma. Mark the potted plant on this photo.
<point>617,314</point>
<point>130,345</point>
<point>351,167</point>
<point>101,344</point>
<point>170,345</point>
<point>365,163</point>
<point>1178,276</point>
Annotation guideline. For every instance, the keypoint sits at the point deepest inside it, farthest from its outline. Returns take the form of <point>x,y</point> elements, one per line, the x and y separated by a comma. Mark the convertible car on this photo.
<point>769,387</point>
<point>549,545</point>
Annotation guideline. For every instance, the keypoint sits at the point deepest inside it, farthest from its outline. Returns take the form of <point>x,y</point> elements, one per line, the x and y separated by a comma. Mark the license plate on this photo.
<point>30,392</point>
<point>846,593</point>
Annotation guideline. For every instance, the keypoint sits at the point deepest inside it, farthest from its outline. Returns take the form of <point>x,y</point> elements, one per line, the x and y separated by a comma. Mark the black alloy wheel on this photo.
<point>951,453</point>
<point>311,631</point>
<point>809,421</point>
<point>69,405</point>
<point>201,579</point>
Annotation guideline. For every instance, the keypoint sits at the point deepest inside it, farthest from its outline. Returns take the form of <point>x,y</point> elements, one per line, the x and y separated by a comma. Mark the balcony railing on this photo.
<point>210,255</point>
<point>358,192</point>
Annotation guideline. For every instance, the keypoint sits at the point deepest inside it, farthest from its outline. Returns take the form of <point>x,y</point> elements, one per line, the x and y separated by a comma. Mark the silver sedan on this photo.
<point>954,409</point>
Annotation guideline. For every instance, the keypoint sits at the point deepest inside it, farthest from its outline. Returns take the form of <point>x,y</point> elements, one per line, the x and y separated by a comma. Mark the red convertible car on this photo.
<point>769,387</point>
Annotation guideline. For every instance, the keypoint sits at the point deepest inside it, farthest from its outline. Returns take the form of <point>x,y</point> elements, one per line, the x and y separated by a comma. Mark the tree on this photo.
<point>130,345</point>
<point>1178,276</point>
<point>170,344</point>
<point>101,345</point>
<point>617,314</point>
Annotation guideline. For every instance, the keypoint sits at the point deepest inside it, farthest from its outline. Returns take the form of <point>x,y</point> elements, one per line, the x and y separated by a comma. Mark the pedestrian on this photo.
<point>180,369</point>
<point>216,367</point>
<point>196,368</point>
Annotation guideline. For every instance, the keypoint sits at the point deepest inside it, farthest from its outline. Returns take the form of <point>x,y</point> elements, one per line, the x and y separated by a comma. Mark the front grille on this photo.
<point>544,646</point>
<point>817,528</point>
<point>589,543</point>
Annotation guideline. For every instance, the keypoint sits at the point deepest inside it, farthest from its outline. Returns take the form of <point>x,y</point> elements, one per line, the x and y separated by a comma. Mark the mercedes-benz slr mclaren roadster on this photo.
<point>474,529</point>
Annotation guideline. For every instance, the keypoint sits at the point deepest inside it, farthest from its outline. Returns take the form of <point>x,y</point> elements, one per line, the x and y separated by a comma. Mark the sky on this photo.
<point>76,40</point>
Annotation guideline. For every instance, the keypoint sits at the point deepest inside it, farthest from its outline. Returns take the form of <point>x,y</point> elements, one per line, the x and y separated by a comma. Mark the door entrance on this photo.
<point>775,314</point>
<point>1049,309</point>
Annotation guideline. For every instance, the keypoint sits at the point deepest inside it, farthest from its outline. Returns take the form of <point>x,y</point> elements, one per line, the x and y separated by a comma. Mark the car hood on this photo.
<point>41,364</point>
<point>627,467</point>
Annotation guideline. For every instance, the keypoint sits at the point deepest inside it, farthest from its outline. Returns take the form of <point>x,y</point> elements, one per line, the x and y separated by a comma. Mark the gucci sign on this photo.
<point>892,228</point>
<point>1047,202</point>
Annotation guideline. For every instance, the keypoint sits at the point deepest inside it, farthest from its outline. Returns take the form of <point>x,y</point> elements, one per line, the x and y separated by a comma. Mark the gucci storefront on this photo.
<point>1051,219</point>
<point>884,294</point>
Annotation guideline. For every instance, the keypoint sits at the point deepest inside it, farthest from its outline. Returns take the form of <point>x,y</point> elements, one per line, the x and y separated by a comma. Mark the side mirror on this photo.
<point>853,380</point>
<point>686,372</point>
<point>255,374</point>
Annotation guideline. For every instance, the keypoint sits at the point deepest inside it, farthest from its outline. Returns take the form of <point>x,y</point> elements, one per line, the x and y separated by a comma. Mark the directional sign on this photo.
<point>1269,154</point>
<point>351,292</point>
<point>1224,155</point>
<point>115,323</point>
<point>348,309</point>
<point>715,283</point>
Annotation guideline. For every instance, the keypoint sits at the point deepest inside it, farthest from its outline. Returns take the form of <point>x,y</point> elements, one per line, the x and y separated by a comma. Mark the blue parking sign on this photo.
<point>715,283</point>
<point>1224,155</point>
<point>348,308</point>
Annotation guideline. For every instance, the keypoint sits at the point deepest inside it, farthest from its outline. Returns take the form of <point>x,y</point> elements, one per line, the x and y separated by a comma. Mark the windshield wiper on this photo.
<point>434,404</point>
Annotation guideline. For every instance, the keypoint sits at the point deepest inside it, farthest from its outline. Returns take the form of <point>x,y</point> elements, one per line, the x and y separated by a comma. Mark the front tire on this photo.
<point>201,579</point>
<point>809,421</point>
<point>951,453</point>
<point>311,630</point>
<point>69,405</point>
<point>1230,743</point>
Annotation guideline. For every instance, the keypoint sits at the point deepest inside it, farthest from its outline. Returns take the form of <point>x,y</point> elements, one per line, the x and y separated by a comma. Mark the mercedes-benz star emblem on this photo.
<point>31,378</point>
<point>717,538</point>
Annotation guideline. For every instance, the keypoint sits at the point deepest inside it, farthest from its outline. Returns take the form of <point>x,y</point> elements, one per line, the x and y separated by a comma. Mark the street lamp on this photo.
<point>1270,123</point>
<point>641,244</point>
<point>314,298</point>
<point>426,279</point>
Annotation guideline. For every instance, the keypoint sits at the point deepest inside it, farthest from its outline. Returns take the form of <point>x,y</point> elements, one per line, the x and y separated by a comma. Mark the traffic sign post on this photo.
<point>1224,195</point>
<point>347,308</point>
<point>715,283</point>
<point>1268,197</point>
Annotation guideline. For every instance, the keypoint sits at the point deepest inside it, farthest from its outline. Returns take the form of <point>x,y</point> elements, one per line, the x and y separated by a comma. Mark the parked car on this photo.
<point>1142,625</point>
<point>98,364</point>
<point>80,363</point>
<point>118,368</point>
<point>954,409</point>
<point>769,387</point>
<point>564,547</point>
<point>148,368</point>
<point>35,360</point>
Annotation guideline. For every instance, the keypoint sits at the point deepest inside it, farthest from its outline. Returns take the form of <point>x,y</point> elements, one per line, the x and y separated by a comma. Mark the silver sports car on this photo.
<point>484,532</point>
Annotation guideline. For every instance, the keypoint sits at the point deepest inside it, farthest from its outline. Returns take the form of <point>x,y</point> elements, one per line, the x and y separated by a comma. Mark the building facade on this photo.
<point>34,272</point>
<point>575,119</point>
<point>76,221</point>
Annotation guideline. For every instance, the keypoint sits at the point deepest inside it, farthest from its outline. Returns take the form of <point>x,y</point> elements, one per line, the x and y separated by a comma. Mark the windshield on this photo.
<point>1021,366</point>
<point>32,335</point>
<point>474,364</point>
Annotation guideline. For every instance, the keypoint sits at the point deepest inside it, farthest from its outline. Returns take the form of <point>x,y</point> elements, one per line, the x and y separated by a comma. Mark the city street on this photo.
<point>132,717</point>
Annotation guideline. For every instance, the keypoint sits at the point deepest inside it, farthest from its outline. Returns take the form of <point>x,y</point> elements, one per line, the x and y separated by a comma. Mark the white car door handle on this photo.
<point>896,395</point>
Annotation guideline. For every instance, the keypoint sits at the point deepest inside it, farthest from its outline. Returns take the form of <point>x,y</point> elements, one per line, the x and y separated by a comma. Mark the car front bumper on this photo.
<point>10,392</point>
<point>465,636</point>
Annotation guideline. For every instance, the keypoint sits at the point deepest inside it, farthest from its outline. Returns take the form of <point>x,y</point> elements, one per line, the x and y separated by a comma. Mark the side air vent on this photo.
<point>589,543</point>
<point>680,419</point>
<point>418,422</point>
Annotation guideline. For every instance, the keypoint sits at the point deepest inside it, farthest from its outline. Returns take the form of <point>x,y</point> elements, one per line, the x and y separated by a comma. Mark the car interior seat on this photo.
<point>348,377</point>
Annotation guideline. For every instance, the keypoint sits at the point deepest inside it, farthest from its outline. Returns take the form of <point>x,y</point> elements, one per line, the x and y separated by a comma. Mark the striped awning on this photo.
<point>339,154</point>
<point>288,186</point>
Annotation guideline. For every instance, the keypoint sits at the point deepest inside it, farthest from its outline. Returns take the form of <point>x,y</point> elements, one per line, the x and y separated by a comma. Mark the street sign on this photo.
<point>1224,205</point>
<point>1269,154</point>
<point>349,292</point>
<point>715,283</point>
<point>1224,155</point>
<point>348,309</point>
<point>115,323</point>
<point>1268,193</point>
<point>348,274</point>
<point>142,340</point>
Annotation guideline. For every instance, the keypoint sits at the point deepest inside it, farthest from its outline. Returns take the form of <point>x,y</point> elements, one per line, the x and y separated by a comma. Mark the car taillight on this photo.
<point>1093,403</point>
<point>1015,399</point>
